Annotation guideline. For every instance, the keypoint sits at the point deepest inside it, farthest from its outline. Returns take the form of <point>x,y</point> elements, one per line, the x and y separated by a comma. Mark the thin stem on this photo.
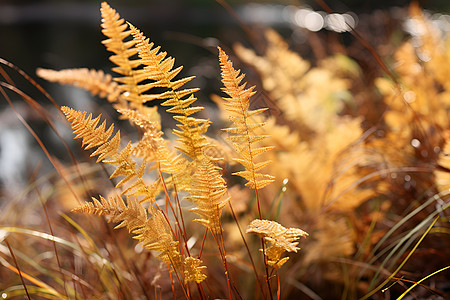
<point>181,213</point>
<point>201,290</point>
<point>122,288</point>
<point>51,231</point>
<point>224,260</point>
<point>36,137</point>
<point>17,267</point>
<point>203,243</point>
<point>182,230</point>
<point>266,267</point>
<point>248,250</point>
<point>279,285</point>
<point>166,216</point>
<point>172,284</point>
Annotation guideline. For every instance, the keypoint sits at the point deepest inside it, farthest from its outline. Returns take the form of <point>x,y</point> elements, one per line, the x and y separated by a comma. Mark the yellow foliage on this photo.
<point>281,239</point>
<point>243,136</point>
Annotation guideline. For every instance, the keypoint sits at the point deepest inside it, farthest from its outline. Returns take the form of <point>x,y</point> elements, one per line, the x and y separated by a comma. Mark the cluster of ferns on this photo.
<point>187,166</point>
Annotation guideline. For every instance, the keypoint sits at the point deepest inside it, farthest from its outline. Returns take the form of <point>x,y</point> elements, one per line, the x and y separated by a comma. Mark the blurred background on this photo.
<point>62,33</point>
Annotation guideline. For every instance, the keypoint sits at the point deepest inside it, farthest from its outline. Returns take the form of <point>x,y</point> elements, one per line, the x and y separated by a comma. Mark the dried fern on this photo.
<point>116,30</point>
<point>154,148</point>
<point>244,138</point>
<point>158,69</point>
<point>156,235</point>
<point>96,82</point>
<point>108,147</point>
<point>207,192</point>
<point>281,239</point>
<point>208,187</point>
<point>153,232</point>
<point>131,215</point>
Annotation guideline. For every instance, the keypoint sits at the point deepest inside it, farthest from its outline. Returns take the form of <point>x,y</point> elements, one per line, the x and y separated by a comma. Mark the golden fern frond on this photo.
<point>96,82</point>
<point>108,147</point>
<point>131,215</point>
<point>193,270</point>
<point>151,140</point>
<point>207,192</point>
<point>93,136</point>
<point>281,239</point>
<point>154,232</point>
<point>153,148</point>
<point>145,122</point>
<point>156,235</point>
<point>159,69</point>
<point>244,137</point>
<point>115,29</point>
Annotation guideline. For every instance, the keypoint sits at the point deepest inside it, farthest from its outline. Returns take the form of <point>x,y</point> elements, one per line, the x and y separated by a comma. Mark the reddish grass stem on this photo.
<point>17,267</point>
<point>248,251</point>
<point>203,243</point>
<point>266,267</point>
<point>51,232</point>
<point>172,284</point>
<point>181,229</point>
<point>221,247</point>
<point>279,285</point>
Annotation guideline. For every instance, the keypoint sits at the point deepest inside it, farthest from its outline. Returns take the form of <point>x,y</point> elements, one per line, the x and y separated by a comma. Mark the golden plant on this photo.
<point>97,82</point>
<point>244,138</point>
<point>366,195</point>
